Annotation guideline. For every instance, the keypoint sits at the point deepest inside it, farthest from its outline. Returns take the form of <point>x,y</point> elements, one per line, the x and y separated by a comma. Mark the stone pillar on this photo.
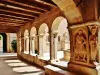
<point>65,42</point>
<point>54,42</point>
<point>84,49</point>
<point>51,43</point>
<point>8,44</point>
<point>66,46</point>
<point>22,44</point>
<point>99,45</point>
<point>41,44</point>
<point>20,48</point>
<point>55,45</point>
<point>18,45</point>
<point>26,45</point>
<point>46,43</point>
<point>36,43</point>
<point>32,45</point>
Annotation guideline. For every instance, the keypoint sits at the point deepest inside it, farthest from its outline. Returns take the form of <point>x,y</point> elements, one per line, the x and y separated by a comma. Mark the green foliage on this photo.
<point>36,51</point>
<point>0,37</point>
<point>14,45</point>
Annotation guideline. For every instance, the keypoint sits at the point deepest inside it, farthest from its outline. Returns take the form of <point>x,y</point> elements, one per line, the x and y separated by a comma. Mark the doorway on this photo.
<point>3,42</point>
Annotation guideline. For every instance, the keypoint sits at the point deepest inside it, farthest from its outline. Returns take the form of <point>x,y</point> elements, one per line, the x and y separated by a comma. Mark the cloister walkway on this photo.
<point>11,65</point>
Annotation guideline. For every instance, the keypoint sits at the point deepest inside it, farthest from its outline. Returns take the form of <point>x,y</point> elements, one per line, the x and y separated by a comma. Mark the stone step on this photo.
<point>52,70</point>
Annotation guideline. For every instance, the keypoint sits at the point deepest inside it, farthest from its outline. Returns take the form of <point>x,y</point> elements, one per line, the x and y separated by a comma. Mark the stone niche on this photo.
<point>84,51</point>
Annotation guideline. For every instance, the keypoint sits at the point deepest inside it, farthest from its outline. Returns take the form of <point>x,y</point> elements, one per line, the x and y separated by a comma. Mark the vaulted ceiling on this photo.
<point>15,13</point>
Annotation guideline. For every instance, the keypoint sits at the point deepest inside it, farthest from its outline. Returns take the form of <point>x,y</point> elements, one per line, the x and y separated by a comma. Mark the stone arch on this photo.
<point>33,31</point>
<point>26,33</point>
<point>56,23</point>
<point>70,10</point>
<point>44,44</point>
<point>60,37</point>
<point>43,28</point>
<point>33,41</point>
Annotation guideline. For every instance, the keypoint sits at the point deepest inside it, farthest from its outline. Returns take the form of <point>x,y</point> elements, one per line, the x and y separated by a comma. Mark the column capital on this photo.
<point>26,37</point>
<point>84,43</point>
<point>41,35</point>
<point>54,32</point>
<point>33,36</point>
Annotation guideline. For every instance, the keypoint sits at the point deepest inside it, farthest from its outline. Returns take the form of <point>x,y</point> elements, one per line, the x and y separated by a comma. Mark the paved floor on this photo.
<point>10,65</point>
<point>7,54</point>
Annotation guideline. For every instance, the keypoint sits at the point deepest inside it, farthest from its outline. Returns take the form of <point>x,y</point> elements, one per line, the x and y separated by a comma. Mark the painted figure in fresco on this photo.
<point>80,46</point>
<point>93,42</point>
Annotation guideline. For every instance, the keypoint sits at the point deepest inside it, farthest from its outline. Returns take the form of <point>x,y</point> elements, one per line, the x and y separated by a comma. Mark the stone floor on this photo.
<point>7,54</point>
<point>10,65</point>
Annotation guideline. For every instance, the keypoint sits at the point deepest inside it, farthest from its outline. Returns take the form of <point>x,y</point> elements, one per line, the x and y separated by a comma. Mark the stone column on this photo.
<point>55,45</point>
<point>36,43</point>
<point>22,44</point>
<point>26,45</point>
<point>19,45</point>
<point>66,46</point>
<point>20,48</point>
<point>54,42</point>
<point>8,42</point>
<point>46,43</point>
<point>32,45</point>
<point>51,43</point>
<point>99,44</point>
<point>41,44</point>
<point>84,48</point>
<point>65,42</point>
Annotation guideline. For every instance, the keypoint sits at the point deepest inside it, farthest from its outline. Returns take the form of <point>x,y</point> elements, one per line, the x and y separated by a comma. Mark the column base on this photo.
<point>67,55</point>
<point>54,60</point>
<point>83,70</point>
<point>98,69</point>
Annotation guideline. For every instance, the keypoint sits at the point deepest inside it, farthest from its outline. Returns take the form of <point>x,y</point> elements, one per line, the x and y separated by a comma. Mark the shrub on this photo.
<point>36,51</point>
<point>14,45</point>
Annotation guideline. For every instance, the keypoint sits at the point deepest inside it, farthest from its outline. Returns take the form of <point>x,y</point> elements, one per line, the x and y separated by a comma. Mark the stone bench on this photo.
<point>52,70</point>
